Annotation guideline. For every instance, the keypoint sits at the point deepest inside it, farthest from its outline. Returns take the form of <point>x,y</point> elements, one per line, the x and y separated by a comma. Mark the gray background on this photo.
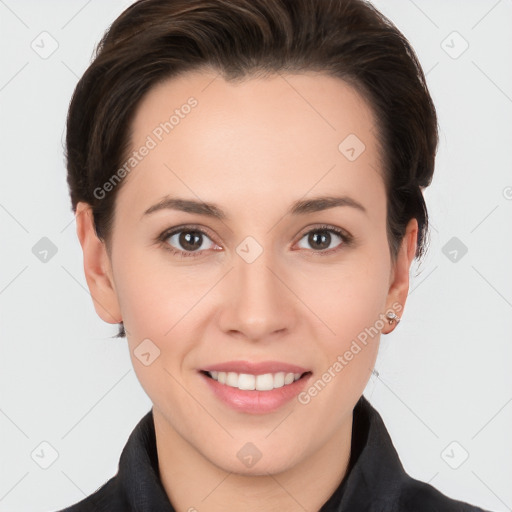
<point>442,383</point>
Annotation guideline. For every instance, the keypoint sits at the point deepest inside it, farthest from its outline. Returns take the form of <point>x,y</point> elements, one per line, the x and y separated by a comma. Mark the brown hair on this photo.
<point>154,40</point>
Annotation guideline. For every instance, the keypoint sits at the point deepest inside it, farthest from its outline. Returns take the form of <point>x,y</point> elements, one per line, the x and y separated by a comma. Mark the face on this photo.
<point>267,273</point>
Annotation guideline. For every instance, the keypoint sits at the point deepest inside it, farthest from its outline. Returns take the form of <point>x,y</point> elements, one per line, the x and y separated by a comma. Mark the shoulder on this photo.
<point>105,499</point>
<point>419,496</point>
<point>379,472</point>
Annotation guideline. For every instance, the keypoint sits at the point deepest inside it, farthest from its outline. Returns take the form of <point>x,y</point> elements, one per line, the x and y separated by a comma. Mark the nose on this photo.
<point>258,302</point>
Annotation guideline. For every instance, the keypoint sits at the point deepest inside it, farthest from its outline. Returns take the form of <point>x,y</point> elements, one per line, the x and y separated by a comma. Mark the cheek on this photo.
<point>347,297</point>
<point>162,303</point>
<point>154,305</point>
<point>153,294</point>
<point>351,305</point>
<point>347,357</point>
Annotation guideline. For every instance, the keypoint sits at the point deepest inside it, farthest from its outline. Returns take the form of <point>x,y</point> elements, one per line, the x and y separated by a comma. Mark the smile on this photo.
<point>246,381</point>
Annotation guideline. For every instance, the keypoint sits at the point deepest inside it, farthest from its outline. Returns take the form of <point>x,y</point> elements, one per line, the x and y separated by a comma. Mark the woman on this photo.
<point>247,179</point>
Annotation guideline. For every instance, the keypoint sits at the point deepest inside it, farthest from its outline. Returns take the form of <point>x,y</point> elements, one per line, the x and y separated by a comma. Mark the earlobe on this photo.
<point>97,267</point>
<point>399,286</point>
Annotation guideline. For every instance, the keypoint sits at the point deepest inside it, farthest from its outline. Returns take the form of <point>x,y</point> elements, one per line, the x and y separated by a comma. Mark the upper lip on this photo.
<point>255,368</point>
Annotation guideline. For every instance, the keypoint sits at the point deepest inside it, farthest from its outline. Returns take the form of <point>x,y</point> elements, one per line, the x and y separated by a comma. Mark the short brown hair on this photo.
<point>154,40</point>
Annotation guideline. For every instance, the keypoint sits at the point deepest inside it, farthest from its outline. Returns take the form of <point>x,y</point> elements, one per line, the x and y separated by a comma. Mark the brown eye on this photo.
<point>325,239</point>
<point>187,242</point>
<point>190,240</point>
<point>319,239</point>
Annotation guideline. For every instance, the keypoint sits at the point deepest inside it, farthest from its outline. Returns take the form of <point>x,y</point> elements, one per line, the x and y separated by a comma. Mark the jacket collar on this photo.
<point>375,473</point>
<point>139,476</point>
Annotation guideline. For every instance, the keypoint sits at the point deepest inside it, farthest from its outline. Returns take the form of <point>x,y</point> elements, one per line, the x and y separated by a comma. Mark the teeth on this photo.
<point>246,381</point>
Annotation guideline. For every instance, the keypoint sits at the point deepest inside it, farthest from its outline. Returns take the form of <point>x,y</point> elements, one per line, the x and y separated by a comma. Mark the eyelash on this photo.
<point>162,238</point>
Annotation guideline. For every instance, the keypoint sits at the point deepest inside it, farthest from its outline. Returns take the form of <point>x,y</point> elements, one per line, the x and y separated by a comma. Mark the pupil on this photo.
<point>324,237</point>
<point>186,240</point>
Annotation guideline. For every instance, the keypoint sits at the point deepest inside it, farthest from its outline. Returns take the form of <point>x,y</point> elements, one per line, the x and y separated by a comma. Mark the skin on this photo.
<point>252,148</point>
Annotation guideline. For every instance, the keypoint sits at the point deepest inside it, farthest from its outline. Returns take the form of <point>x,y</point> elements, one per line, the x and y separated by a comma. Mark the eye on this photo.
<point>192,241</point>
<point>321,239</point>
<point>187,241</point>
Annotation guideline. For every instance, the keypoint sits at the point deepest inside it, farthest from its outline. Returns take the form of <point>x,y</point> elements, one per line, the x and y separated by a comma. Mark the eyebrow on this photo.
<point>300,207</point>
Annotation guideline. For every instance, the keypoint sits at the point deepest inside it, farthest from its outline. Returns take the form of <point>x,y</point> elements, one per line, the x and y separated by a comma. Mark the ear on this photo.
<point>97,267</point>
<point>399,277</point>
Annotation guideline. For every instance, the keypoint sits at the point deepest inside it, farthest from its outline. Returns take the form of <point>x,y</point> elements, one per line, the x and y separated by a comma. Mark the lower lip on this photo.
<point>253,401</point>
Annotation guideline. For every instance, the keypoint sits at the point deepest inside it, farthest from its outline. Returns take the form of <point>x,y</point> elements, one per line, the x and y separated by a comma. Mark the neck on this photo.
<point>193,483</point>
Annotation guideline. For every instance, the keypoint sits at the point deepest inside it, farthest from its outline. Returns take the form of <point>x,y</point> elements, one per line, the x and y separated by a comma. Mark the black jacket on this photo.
<point>376,480</point>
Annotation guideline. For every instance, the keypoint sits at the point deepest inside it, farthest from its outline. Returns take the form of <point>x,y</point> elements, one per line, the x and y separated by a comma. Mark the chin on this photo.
<point>270,464</point>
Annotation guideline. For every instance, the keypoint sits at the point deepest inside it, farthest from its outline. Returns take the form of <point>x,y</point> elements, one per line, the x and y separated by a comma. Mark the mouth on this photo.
<point>252,382</point>
<point>251,387</point>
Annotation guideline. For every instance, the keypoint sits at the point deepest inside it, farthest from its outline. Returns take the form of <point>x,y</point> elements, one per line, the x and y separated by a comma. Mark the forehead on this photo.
<point>259,140</point>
